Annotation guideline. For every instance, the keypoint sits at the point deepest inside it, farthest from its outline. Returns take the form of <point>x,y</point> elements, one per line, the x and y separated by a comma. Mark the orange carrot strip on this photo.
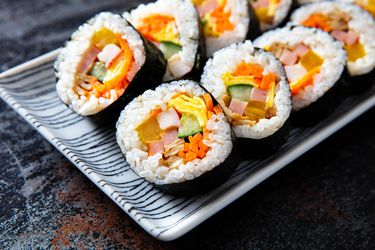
<point>181,154</point>
<point>268,80</point>
<point>190,156</point>
<point>198,137</point>
<point>186,146</point>
<point>201,153</point>
<point>217,109</point>
<point>202,146</point>
<point>193,147</point>
<point>249,69</point>
<point>209,115</point>
<point>208,100</point>
<point>317,21</point>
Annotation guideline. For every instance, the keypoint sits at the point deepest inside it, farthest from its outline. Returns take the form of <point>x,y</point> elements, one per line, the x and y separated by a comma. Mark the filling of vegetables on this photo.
<point>368,5</point>
<point>337,24</point>
<point>179,132</point>
<point>250,94</point>
<point>104,65</point>
<point>265,9</point>
<point>214,16</point>
<point>300,62</point>
<point>162,30</point>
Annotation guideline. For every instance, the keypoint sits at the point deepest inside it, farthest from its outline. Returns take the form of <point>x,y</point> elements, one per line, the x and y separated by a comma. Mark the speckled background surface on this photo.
<point>324,200</point>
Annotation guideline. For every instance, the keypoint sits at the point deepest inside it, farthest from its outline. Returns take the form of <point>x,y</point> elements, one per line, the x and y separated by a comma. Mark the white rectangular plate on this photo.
<point>30,90</point>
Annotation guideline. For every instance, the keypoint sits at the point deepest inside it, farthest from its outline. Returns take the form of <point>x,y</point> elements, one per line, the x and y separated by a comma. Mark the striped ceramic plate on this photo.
<point>30,90</point>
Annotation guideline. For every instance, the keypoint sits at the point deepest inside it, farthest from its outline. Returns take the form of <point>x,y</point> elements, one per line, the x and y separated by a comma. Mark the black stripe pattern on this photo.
<point>95,152</point>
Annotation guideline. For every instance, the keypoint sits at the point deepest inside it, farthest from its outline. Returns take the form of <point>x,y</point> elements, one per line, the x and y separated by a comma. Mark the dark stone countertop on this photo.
<point>324,200</point>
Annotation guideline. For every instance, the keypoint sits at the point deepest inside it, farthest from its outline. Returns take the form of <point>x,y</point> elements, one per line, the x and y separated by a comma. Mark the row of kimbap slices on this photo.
<point>182,135</point>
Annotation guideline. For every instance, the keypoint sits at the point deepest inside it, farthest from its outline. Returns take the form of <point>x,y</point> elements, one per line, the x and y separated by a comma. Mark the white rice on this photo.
<point>320,42</point>
<point>281,13</point>
<point>71,55</point>
<point>240,18</point>
<point>186,18</point>
<point>226,60</point>
<point>149,167</point>
<point>361,22</point>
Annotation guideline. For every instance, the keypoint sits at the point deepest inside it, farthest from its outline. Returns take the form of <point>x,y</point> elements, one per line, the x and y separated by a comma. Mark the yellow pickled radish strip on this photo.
<point>262,14</point>
<point>255,110</point>
<point>304,81</point>
<point>117,72</point>
<point>355,51</point>
<point>272,7</point>
<point>149,130</point>
<point>271,96</point>
<point>192,105</point>
<point>311,60</point>
<point>103,37</point>
<point>230,79</point>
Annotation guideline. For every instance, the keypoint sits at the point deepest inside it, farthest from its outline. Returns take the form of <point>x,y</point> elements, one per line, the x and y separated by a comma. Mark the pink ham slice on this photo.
<point>237,106</point>
<point>351,37</point>
<point>288,57</point>
<point>169,136</point>
<point>258,95</point>
<point>339,35</point>
<point>348,38</point>
<point>108,54</point>
<point>155,147</point>
<point>295,72</point>
<point>260,3</point>
<point>88,59</point>
<point>168,119</point>
<point>301,50</point>
<point>206,7</point>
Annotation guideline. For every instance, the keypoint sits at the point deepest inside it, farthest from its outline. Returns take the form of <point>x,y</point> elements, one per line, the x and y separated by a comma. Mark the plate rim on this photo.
<point>227,197</point>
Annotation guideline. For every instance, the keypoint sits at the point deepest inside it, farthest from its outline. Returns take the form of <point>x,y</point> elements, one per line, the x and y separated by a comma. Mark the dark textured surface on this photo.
<point>324,200</point>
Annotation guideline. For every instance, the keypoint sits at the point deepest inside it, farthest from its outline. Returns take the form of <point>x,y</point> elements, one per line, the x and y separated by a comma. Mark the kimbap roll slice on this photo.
<point>251,86</point>
<point>368,5</point>
<point>173,26</point>
<point>271,13</point>
<point>348,23</point>
<point>178,138</point>
<point>313,61</point>
<point>102,61</point>
<point>226,22</point>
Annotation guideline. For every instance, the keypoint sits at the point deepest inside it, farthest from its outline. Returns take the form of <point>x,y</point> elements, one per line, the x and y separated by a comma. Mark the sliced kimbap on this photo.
<point>313,61</point>
<point>225,22</point>
<point>368,5</point>
<point>178,138</point>
<point>271,13</point>
<point>102,61</point>
<point>348,23</point>
<point>251,86</point>
<point>173,26</point>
